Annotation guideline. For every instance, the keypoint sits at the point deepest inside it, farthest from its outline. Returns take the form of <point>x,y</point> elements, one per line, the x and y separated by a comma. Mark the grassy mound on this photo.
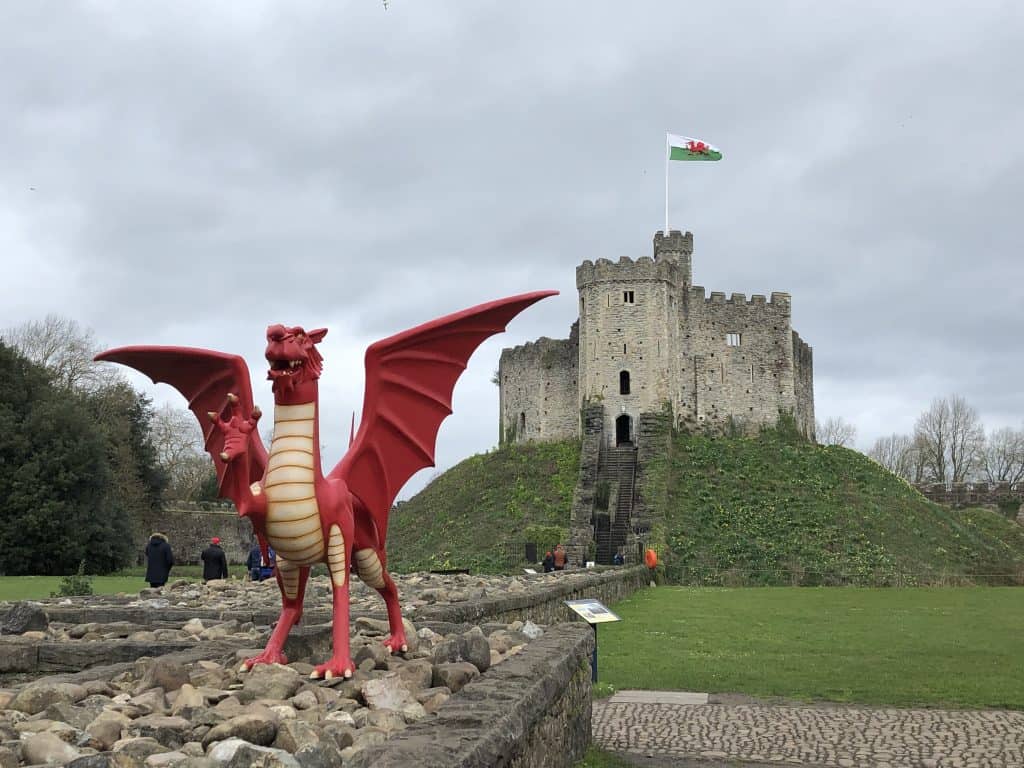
<point>773,509</point>
<point>479,513</point>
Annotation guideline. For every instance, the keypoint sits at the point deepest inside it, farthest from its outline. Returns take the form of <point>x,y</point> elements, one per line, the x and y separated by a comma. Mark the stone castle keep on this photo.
<point>647,336</point>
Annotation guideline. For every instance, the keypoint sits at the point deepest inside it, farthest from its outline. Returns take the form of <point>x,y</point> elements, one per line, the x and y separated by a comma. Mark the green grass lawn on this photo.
<point>130,581</point>
<point>926,646</point>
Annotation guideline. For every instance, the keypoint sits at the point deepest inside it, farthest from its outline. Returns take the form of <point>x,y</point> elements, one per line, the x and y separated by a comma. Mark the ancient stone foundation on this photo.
<point>151,679</point>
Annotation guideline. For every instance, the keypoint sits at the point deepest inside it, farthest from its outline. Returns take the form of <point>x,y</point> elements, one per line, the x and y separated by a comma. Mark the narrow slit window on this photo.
<point>623,349</point>
<point>628,297</point>
<point>623,382</point>
<point>732,339</point>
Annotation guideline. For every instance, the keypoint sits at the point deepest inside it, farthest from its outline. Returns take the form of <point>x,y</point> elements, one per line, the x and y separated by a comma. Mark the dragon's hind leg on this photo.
<point>339,554</point>
<point>370,567</point>
<point>291,579</point>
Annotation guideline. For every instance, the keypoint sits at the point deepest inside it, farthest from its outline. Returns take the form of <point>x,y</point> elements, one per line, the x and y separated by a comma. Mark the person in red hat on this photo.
<point>215,562</point>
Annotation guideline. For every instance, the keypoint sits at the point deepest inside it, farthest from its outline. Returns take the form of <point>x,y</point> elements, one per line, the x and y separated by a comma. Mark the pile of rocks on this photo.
<point>165,711</point>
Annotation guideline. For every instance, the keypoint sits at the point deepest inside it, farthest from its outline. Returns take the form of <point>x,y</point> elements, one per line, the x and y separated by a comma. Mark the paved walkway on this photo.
<point>672,728</point>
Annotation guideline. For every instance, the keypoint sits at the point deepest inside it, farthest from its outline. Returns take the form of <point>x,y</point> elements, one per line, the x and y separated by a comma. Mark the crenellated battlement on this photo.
<point>627,270</point>
<point>779,300</point>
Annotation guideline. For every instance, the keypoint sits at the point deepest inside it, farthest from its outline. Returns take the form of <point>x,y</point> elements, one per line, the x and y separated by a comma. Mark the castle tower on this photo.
<point>628,328</point>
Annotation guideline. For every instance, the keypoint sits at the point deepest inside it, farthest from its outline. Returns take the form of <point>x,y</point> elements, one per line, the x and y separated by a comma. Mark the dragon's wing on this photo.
<point>410,378</point>
<point>205,378</point>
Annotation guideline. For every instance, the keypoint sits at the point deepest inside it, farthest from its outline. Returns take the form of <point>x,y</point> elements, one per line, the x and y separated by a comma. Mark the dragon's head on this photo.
<point>293,356</point>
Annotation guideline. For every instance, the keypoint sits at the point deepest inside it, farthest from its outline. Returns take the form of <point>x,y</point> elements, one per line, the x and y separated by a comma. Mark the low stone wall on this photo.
<point>605,584</point>
<point>531,711</point>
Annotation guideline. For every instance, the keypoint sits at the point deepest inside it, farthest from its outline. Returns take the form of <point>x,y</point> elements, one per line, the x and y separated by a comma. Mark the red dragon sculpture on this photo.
<point>341,518</point>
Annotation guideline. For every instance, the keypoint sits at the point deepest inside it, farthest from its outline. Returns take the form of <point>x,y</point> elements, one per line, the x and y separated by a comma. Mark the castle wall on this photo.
<point>643,318</point>
<point>750,382</point>
<point>803,363</point>
<point>538,390</point>
<point>625,332</point>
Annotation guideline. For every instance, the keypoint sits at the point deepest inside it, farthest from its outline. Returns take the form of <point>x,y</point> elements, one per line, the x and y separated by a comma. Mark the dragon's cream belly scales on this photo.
<point>293,518</point>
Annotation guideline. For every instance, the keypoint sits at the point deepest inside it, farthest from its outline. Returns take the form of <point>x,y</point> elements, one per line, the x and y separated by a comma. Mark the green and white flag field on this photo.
<point>685,148</point>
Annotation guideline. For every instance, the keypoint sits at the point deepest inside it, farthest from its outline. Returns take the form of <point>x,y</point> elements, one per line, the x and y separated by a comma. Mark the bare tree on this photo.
<point>1003,456</point>
<point>835,431</point>
<point>895,453</point>
<point>950,437</point>
<point>179,446</point>
<point>63,347</point>
<point>966,438</point>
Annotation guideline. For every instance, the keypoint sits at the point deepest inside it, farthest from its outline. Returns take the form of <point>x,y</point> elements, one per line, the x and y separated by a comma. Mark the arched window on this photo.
<point>522,423</point>
<point>623,382</point>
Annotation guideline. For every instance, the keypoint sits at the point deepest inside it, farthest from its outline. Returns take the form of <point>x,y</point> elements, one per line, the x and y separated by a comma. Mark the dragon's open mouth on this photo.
<point>284,367</point>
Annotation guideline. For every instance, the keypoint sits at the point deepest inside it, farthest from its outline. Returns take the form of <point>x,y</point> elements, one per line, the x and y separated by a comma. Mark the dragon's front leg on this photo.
<point>339,552</point>
<point>292,581</point>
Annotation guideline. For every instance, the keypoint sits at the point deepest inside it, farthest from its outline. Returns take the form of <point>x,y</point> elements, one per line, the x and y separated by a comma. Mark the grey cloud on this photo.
<point>200,171</point>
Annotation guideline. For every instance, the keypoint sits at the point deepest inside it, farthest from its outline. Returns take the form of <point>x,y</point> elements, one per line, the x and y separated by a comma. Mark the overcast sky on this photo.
<point>187,173</point>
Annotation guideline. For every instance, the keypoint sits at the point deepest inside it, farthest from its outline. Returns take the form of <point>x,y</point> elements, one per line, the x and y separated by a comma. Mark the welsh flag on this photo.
<point>685,148</point>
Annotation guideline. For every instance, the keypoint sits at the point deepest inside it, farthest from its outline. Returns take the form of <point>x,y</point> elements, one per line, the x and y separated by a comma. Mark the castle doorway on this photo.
<point>623,430</point>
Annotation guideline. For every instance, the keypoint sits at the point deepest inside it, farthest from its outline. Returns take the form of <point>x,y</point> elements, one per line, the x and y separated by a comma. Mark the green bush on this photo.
<point>74,584</point>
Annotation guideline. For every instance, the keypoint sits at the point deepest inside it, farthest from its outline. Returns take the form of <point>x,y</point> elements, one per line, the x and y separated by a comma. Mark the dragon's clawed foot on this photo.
<point>396,643</point>
<point>267,657</point>
<point>338,666</point>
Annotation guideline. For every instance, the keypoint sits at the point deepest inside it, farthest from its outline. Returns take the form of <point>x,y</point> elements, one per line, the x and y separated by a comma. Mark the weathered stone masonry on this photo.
<point>647,336</point>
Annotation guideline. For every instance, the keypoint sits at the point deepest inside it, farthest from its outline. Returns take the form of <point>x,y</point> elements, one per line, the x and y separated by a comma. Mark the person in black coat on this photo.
<point>159,560</point>
<point>215,562</point>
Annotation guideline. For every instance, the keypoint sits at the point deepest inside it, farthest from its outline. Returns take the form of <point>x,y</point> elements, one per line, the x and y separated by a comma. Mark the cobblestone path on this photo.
<point>836,737</point>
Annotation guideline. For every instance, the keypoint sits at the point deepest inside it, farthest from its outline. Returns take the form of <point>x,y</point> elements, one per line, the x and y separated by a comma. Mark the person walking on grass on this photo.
<point>215,562</point>
<point>159,560</point>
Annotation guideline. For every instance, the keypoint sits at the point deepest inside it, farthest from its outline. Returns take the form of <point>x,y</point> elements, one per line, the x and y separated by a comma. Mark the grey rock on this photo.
<point>152,701</point>
<point>18,655</point>
<point>272,681</point>
<point>106,760</point>
<point>65,712</point>
<point>374,652</point>
<point>163,673</point>
<point>107,729</point>
<point>38,696</point>
<point>47,749</point>
<point>188,698</point>
<point>254,728</point>
<point>474,648</point>
<point>436,700</point>
<point>531,630</point>
<point>306,699</point>
<point>8,758</point>
<point>319,756</point>
<point>165,759</point>
<point>342,735</point>
<point>389,692</point>
<point>293,735</point>
<point>454,675</point>
<point>388,720</point>
<point>249,756</point>
<point>139,747</point>
<point>417,674</point>
<point>170,731</point>
<point>24,616</point>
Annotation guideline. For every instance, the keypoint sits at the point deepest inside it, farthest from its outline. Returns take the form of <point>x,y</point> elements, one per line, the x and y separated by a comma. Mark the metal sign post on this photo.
<point>593,612</point>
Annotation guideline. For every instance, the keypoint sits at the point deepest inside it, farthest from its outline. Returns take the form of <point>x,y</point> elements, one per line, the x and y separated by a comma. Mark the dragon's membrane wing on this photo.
<point>410,378</point>
<point>205,378</point>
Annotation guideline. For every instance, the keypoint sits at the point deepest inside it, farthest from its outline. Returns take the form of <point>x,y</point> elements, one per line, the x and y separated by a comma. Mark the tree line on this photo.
<point>949,444</point>
<point>84,457</point>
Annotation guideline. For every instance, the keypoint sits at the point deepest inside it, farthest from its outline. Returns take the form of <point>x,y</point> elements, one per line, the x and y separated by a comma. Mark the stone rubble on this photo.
<point>160,711</point>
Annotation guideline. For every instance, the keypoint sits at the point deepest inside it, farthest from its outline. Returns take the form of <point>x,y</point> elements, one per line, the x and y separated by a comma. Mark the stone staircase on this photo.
<point>617,468</point>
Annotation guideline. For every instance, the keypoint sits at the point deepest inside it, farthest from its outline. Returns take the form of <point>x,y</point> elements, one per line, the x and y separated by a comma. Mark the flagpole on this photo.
<point>666,184</point>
